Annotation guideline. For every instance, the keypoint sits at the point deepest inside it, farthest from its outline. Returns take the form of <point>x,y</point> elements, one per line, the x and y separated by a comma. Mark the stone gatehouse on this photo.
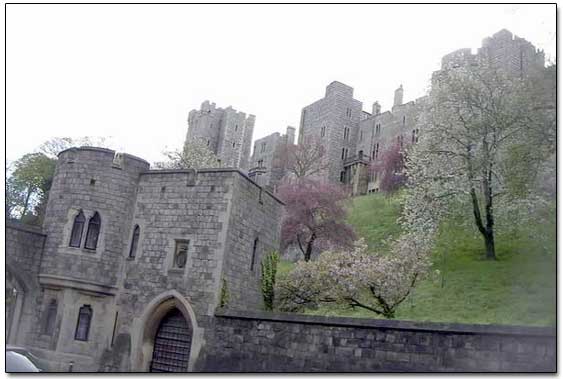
<point>130,265</point>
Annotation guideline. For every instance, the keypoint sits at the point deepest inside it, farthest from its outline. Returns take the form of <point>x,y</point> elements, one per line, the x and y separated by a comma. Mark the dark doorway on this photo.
<point>172,344</point>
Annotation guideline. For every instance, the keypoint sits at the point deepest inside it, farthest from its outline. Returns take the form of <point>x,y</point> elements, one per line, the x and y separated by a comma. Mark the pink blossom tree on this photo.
<point>390,169</point>
<point>315,216</point>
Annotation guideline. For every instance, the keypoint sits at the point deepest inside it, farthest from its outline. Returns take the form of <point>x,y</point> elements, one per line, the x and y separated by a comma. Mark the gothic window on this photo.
<point>254,248</point>
<point>342,176</point>
<point>361,154</point>
<point>134,241</point>
<point>263,147</point>
<point>93,232</point>
<point>404,120</point>
<point>346,154</point>
<point>413,136</point>
<point>50,318</point>
<point>83,324</point>
<point>77,228</point>
<point>233,145</point>
<point>377,150</point>
<point>416,138</point>
<point>343,151</point>
<point>181,254</point>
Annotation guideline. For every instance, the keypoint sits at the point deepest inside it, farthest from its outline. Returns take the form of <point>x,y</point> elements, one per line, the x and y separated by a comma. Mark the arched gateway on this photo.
<point>168,337</point>
<point>172,344</point>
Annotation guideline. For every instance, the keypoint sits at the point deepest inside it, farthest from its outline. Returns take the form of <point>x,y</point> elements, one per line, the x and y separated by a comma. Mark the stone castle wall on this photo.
<point>219,211</point>
<point>267,342</point>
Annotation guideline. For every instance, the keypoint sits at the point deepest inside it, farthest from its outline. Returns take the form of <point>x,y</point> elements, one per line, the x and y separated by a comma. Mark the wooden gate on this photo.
<point>172,344</point>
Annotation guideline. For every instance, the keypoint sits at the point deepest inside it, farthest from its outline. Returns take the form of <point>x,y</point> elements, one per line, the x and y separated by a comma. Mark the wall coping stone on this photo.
<point>213,170</point>
<point>14,224</point>
<point>104,150</point>
<point>425,326</point>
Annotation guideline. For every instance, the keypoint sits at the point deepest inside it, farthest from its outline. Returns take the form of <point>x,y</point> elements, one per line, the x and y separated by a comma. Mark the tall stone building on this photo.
<point>226,132</point>
<point>131,263</point>
<point>268,162</point>
<point>333,122</point>
<point>353,138</point>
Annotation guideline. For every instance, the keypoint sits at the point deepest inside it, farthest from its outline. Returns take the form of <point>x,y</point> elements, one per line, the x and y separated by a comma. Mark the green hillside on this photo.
<point>518,288</point>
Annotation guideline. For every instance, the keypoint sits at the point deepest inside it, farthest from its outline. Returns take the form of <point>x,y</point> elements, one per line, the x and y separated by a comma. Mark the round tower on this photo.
<point>90,206</point>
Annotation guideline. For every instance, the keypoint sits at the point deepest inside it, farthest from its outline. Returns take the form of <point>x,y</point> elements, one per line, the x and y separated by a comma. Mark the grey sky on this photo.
<point>134,72</point>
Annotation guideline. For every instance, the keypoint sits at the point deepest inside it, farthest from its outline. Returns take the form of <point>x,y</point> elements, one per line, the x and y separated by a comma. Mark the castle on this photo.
<point>350,136</point>
<point>132,265</point>
<point>131,262</point>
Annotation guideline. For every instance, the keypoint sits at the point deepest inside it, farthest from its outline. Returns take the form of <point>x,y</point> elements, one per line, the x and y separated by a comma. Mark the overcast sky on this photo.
<point>134,72</point>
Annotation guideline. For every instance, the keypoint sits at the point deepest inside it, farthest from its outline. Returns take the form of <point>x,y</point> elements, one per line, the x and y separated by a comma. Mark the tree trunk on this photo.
<point>490,245</point>
<point>309,250</point>
<point>26,204</point>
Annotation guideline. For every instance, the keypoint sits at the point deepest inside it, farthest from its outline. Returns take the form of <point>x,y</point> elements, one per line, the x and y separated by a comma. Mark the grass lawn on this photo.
<point>518,288</point>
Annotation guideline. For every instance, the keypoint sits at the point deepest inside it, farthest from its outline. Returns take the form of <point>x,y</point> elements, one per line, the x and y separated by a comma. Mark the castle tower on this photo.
<point>226,132</point>
<point>333,121</point>
<point>89,212</point>
<point>398,99</point>
<point>376,108</point>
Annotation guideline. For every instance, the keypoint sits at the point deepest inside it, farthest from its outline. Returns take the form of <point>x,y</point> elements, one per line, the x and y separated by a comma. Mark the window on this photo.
<point>207,142</point>
<point>77,228</point>
<point>83,324</point>
<point>323,131</point>
<point>342,173</point>
<point>236,127</point>
<point>134,241</point>
<point>416,138</point>
<point>346,133</point>
<point>413,136</point>
<point>233,145</point>
<point>346,153</point>
<point>404,120</point>
<point>343,151</point>
<point>377,150</point>
<point>361,135</point>
<point>93,232</point>
<point>181,254</point>
<point>254,248</point>
<point>50,318</point>
<point>361,154</point>
<point>263,147</point>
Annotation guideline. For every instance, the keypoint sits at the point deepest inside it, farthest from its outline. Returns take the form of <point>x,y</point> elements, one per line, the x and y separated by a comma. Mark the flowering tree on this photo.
<point>390,169</point>
<point>195,154</point>
<point>315,216</point>
<point>475,119</point>
<point>355,277</point>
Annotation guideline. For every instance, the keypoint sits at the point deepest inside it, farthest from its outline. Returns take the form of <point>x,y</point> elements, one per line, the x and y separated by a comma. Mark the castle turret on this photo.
<point>376,108</point>
<point>398,100</point>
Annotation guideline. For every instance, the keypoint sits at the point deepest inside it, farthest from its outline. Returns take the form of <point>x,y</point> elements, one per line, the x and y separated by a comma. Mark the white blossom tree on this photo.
<point>479,125</point>
<point>195,154</point>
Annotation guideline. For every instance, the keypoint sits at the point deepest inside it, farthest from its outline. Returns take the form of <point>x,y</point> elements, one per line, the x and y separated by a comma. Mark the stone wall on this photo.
<point>268,342</point>
<point>24,251</point>
<point>255,217</point>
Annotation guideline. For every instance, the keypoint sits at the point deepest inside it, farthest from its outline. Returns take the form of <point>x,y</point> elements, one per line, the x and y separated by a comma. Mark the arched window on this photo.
<point>50,317</point>
<point>134,242</point>
<point>77,228</point>
<point>83,324</point>
<point>93,232</point>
